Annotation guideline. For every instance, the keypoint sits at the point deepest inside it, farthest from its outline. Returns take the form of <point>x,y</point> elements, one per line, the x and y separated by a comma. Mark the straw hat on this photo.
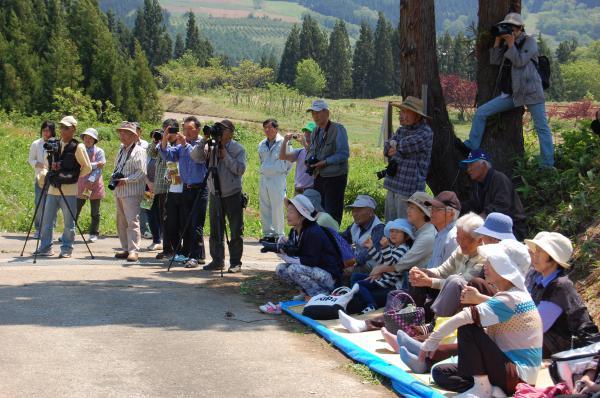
<point>556,245</point>
<point>412,104</point>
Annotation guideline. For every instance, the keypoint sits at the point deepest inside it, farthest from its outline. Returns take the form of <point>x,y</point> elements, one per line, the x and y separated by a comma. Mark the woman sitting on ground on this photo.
<point>395,243</point>
<point>563,312</point>
<point>315,265</point>
<point>499,340</point>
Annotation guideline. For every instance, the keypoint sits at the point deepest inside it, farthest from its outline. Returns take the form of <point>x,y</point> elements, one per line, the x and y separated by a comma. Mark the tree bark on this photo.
<point>418,66</point>
<point>503,138</point>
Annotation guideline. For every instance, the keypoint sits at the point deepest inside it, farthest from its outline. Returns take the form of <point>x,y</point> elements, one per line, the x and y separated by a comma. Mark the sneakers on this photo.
<point>234,269</point>
<point>179,258</point>
<point>44,253</point>
<point>93,238</point>
<point>64,255</point>
<point>212,266</point>
<point>155,247</point>
<point>270,308</point>
<point>269,239</point>
<point>191,263</point>
<point>147,235</point>
<point>367,309</point>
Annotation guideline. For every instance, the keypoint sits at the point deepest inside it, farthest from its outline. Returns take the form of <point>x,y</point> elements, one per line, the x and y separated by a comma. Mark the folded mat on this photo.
<point>370,349</point>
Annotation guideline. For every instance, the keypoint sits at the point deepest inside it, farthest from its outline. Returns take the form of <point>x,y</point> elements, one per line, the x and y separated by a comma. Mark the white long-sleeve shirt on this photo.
<point>37,155</point>
<point>270,164</point>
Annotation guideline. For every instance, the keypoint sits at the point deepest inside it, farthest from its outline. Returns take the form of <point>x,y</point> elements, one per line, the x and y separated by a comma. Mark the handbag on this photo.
<point>568,364</point>
<point>326,306</point>
<point>401,313</point>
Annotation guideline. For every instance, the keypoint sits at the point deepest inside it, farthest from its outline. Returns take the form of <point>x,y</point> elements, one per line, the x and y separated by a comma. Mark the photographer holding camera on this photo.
<point>409,155</point>
<point>519,84</point>
<point>129,183</point>
<point>195,194</point>
<point>327,159</point>
<point>69,160</point>
<point>227,200</point>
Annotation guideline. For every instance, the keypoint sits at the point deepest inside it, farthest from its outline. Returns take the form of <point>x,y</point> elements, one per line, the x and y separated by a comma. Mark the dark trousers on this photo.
<point>174,222</point>
<point>332,191</point>
<point>95,208</point>
<point>195,213</point>
<point>229,208</point>
<point>156,217</point>
<point>424,297</point>
<point>554,343</point>
<point>478,355</point>
<point>366,288</point>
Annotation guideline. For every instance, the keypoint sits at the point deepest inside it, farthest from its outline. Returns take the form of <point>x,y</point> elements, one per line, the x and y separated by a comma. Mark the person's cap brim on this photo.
<point>420,206</point>
<point>498,235</point>
<point>531,243</point>
<point>129,130</point>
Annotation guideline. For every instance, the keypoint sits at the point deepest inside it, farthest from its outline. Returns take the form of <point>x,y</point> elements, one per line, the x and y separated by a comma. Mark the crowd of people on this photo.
<point>509,304</point>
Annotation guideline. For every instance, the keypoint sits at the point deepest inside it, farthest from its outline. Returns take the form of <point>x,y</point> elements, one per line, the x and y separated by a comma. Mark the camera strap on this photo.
<point>120,166</point>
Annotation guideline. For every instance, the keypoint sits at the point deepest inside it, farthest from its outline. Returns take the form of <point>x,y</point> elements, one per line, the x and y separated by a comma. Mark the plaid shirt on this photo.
<point>413,157</point>
<point>161,185</point>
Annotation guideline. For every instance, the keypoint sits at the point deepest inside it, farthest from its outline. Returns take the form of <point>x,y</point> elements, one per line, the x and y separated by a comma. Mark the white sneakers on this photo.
<point>155,247</point>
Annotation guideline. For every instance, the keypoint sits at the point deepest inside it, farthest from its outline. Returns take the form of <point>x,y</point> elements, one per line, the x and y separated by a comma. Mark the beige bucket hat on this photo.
<point>558,246</point>
<point>412,104</point>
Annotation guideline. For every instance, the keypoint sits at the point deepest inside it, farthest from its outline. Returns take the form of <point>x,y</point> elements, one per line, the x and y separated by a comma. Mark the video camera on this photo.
<point>391,170</point>
<point>288,248</point>
<point>52,146</point>
<point>215,132</point>
<point>502,29</point>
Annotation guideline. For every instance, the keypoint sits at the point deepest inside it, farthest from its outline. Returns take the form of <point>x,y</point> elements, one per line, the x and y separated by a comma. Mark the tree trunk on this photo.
<point>418,66</point>
<point>503,138</point>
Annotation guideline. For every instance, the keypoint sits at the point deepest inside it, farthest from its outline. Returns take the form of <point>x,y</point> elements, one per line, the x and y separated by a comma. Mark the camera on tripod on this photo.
<point>288,248</point>
<point>215,132</point>
<point>114,180</point>
<point>502,29</point>
<point>390,171</point>
<point>52,146</point>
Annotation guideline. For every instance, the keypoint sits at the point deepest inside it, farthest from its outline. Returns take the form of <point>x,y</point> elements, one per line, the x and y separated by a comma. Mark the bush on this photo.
<point>310,79</point>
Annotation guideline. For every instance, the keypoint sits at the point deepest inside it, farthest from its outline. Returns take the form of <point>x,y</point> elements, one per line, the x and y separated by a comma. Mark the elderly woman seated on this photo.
<point>443,284</point>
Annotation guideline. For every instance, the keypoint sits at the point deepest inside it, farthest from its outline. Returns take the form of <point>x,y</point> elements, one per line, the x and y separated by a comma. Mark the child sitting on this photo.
<point>394,243</point>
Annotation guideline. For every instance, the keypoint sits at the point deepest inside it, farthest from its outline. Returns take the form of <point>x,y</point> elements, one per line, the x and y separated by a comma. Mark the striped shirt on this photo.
<point>514,324</point>
<point>390,255</point>
<point>134,170</point>
<point>161,184</point>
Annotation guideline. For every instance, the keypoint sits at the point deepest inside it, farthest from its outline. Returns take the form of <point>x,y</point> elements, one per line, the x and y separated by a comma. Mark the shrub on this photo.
<point>310,79</point>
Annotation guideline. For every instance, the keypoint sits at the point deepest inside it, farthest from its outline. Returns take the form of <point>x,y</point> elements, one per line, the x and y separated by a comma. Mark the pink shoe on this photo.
<point>270,308</point>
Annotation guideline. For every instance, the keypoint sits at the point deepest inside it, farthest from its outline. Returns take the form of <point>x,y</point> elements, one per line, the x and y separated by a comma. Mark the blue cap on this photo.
<point>474,156</point>
<point>401,224</point>
<point>497,225</point>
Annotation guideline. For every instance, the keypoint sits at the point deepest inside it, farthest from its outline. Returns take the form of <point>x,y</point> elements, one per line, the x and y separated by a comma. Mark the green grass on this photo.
<point>365,374</point>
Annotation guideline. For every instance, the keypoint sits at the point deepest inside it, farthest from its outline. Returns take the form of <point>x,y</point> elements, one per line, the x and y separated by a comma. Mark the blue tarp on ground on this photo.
<point>402,382</point>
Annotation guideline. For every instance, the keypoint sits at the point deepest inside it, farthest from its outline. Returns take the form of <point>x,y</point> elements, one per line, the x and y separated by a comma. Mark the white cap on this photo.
<point>364,201</point>
<point>519,254</point>
<point>68,121</point>
<point>318,105</point>
<point>303,205</point>
<point>503,263</point>
<point>556,245</point>
<point>514,18</point>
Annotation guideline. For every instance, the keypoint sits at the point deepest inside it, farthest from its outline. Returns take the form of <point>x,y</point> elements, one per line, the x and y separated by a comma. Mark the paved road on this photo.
<point>92,328</point>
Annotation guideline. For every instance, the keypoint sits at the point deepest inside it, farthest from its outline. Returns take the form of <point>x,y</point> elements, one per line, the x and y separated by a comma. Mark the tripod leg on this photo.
<point>37,207</point>
<point>75,221</point>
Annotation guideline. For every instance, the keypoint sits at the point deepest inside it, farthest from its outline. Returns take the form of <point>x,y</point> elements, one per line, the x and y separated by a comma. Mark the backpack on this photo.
<point>343,248</point>
<point>543,68</point>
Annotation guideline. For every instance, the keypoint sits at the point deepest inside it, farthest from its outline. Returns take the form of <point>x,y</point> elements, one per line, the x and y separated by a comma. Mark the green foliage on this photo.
<point>290,58</point>
<point>179,48</point>
<point>310,79</point>
<point>313,42</point>
<point>199,46</point>
<point>249,74</point>
<point>362,63</point>
<point>564,51</point>
<point>382,73</point>
<point>338,62</point>
<point>456,55</point>
<point>67,101</point>
<point>557,84</point>
<point>581,77</point>
<point>150,30</point>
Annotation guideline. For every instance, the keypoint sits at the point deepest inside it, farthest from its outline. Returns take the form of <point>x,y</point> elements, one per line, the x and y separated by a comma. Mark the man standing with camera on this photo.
<point>272,182</point>
<point>129,183</point>
<point>69,161</point>
<point>327,159</point>
<point>409,155</point>
<point>195,195</point>
<point>227,199</point>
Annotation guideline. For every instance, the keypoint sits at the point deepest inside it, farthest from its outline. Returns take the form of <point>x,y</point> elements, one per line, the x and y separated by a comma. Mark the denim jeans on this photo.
<point>52,204</point>
<point>503,104</point>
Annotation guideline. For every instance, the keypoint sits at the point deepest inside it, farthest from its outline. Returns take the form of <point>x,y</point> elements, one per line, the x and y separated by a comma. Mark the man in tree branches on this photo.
<point>519,84</point>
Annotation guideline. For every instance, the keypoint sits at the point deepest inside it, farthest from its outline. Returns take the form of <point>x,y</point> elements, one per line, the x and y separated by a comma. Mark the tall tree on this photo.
<point>179,46</point>
<point>339,62</point>
<point>419,67</point>
<point>396,58</point>
<point>144,88</point>
<point>565,50</point>
<point>290,57</point>
<point>150,30</point>
<point>444,51</point>
<point>362,62</point>
<point>194,42</point>
<point>383,67</point>
<point>313,41</point>
<point>503,137</point>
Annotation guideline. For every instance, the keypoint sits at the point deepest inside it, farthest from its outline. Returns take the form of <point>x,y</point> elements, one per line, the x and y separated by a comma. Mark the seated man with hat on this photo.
<point>492,191</point>
<point>410,149</point>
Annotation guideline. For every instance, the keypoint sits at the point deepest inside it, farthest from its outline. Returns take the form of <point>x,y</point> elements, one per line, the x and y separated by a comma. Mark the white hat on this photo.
<point>364,201</point>
<point>558,246</point>
<point>318,105</point>
<point>514,18</point>
<point>503,263</point>
<point>68,121</point>
<point>420,199</point>
<point>518,253</point>
<point>91,132</point>
<point>303,205</point>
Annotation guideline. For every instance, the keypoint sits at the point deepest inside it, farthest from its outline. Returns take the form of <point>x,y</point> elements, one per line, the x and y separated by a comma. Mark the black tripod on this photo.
<point>213,162</point>
<point>43,196</point>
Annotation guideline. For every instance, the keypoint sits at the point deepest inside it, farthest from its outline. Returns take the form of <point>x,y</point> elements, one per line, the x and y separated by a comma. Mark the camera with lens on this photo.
<point>52,146</point>
<point>288,248</point>
<point>311,162</point>
<point>215,132</point>
<point>114,180</point>
<point>157,135</point>
<point>502,29</point>
<point>391,170</point>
